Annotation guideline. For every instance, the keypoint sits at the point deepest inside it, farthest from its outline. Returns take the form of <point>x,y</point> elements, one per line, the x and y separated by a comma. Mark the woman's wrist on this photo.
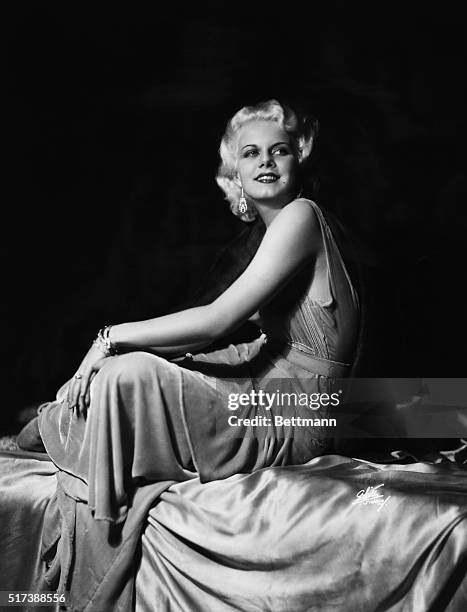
<point>129,336</point>
<point>117,338</point>
<point>104,342</point>
<point>191,326</point>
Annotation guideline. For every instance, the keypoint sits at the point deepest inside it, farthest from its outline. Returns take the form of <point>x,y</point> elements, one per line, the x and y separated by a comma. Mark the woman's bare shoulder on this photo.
<point>301,209</point>
<point>298,218</point>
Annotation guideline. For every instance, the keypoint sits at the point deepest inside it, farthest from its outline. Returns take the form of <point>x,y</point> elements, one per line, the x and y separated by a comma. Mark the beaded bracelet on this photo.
<point>103,342</point>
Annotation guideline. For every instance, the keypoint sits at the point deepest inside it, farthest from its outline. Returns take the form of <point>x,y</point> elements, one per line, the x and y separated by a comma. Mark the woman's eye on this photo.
<point>281,151</point>
<point>250,153</point>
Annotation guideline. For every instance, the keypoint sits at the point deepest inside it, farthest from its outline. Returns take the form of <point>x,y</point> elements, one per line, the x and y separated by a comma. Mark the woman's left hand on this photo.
<point>79,388</point>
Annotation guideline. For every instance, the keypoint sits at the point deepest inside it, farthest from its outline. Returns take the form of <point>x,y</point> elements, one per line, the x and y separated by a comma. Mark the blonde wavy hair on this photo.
<point>300,128</point>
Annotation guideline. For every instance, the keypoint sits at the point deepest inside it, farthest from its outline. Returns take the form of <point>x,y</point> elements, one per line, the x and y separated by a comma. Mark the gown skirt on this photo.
<point>154,420</point>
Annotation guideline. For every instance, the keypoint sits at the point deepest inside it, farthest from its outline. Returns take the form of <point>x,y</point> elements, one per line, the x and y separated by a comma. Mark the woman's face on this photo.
<point>267,166</point>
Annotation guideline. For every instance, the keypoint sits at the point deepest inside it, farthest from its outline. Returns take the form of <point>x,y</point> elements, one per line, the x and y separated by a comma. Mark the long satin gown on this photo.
<point>152,420</point>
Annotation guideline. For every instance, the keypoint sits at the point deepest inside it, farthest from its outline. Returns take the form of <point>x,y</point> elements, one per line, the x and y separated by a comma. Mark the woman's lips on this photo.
<point>267,178</point>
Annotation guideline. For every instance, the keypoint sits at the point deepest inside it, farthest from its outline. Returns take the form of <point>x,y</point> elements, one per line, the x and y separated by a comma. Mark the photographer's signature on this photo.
<point>371,495</point>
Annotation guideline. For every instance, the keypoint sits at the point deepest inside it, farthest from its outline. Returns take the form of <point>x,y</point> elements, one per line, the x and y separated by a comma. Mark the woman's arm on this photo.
<point>291,239</point>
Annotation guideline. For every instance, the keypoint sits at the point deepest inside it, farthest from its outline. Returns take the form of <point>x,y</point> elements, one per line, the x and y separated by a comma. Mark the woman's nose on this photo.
<point>266,160</point>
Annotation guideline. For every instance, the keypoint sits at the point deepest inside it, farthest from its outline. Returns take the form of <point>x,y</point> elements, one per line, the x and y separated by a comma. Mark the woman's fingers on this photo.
<point>77,385</point>
<point>79,389</point>
<point>84,395</point>
<point>83,390</point>
<point>87,399</point>
<point>73,389</point>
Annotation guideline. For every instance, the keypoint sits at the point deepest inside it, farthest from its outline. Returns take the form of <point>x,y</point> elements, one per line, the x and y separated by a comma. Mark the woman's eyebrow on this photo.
<point>273,145</point>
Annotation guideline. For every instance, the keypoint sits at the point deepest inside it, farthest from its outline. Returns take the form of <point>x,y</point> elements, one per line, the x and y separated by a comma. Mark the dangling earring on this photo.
<point>242,204</point>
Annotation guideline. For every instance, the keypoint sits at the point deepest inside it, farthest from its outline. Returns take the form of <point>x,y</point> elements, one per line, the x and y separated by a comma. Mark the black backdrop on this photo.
<point>112,126</point>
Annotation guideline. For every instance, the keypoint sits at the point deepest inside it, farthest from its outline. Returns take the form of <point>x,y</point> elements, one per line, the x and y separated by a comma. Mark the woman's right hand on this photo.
<point>79,396</point>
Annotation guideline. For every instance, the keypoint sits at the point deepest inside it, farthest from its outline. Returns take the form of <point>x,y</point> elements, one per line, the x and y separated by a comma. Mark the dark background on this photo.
<point>112,126</point>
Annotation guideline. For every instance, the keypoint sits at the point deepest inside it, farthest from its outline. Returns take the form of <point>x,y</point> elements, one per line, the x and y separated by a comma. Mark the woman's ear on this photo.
<point>236,179</point>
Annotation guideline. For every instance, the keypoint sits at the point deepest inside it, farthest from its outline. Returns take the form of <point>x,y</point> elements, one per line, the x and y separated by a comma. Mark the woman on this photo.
<point>129,416</point>
<point>296,284</point>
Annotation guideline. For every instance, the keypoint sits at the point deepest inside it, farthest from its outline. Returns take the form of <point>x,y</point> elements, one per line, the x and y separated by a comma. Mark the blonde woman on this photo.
<point>146,405</point>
